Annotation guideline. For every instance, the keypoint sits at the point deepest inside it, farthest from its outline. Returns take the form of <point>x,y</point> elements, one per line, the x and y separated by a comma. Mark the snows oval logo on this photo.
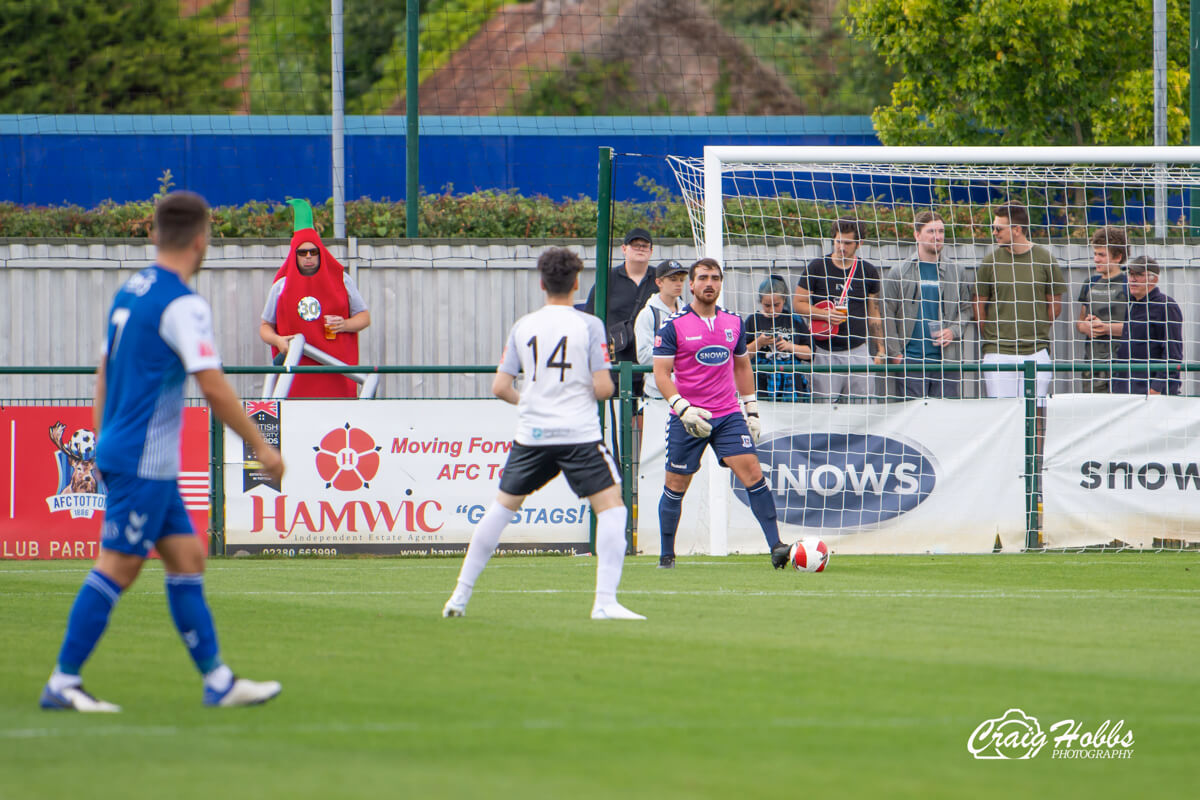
<point>838,480</point>
<point>713,355</point>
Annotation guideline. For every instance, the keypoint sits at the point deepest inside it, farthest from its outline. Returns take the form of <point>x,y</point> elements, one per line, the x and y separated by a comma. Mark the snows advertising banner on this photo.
<point>916,477</point>
<point>1121,469</point>
<point>54,496</point>
<point>386,476</point>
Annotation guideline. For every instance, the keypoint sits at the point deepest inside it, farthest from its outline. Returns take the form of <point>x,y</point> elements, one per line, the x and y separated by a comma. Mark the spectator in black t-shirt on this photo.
<point>858,338</point>
<point>630,285</point>
<point>775,337</point>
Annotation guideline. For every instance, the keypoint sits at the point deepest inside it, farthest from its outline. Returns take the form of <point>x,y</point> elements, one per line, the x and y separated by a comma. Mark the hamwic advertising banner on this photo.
<point>940,476</point>
<point>386,476</point>
<point>1122,469</point>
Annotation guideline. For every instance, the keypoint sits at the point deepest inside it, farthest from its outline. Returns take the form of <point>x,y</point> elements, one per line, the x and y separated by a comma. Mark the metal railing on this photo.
<point>622,435</point>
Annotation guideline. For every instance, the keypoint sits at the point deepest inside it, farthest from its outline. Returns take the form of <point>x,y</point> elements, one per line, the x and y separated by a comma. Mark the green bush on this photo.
<point>508,215</point>
<point>479,215</point>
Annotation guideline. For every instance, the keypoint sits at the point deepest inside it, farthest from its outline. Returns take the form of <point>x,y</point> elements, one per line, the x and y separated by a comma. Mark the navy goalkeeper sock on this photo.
<point>670,506</point>
<point>763,506</point>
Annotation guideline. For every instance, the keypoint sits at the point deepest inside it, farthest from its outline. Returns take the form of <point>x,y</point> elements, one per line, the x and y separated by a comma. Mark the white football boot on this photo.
<point>75,698</point>
<point>613,610</point>
<point>242,692</point>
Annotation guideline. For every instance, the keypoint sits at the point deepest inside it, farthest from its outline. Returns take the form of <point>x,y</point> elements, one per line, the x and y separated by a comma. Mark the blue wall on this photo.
<point>88,159</point>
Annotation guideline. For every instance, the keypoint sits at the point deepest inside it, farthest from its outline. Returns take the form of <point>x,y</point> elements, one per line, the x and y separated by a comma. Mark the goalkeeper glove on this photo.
<point>750,412</point>
<point>694,419</point>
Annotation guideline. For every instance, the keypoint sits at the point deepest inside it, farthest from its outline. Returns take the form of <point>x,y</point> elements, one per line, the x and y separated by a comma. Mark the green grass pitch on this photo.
<point>865,681</point>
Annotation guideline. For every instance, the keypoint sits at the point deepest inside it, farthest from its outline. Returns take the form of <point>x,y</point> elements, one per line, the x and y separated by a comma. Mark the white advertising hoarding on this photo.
<point>915,477</point>
<point>387,476</point>
<point>1121,469</point>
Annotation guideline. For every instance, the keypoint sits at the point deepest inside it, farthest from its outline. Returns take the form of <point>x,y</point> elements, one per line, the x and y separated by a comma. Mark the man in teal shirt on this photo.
<point>926,301</point>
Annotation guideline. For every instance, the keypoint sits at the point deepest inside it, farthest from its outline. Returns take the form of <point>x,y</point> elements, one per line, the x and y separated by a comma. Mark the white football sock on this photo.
<point>61,680</point>
<point>483,544</point>
<point>219,679</point>
<point>610,553</point>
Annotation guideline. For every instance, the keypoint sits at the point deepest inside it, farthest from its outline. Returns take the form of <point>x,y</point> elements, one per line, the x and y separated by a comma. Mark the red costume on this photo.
<point>314,296</point>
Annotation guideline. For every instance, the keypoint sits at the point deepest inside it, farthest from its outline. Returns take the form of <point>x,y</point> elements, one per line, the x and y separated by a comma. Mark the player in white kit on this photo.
<point>563,355</point>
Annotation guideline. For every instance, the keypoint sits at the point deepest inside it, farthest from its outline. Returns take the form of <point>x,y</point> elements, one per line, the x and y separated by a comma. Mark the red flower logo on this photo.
<point>347,459</point>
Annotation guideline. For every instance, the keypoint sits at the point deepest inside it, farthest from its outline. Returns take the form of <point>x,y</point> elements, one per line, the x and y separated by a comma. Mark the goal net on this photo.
<point>961,349</point>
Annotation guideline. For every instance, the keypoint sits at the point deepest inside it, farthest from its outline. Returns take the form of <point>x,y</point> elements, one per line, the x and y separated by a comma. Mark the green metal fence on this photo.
<point>622,434</point>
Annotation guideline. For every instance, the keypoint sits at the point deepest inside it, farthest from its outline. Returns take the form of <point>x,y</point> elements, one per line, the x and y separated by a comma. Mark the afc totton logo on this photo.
<point>347,459</point>
<point>1018,736</point>
<point>80,489</point>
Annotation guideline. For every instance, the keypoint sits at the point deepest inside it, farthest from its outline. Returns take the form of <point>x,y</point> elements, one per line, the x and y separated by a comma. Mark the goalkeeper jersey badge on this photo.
<point>309,308</point>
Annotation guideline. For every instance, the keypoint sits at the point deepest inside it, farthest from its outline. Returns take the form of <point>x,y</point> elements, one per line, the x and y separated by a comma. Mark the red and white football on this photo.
<point>809,554</point>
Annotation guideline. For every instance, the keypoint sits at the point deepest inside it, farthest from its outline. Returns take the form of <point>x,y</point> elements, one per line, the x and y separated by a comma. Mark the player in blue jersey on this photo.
<point>159,332</point>
<point>702,368</point>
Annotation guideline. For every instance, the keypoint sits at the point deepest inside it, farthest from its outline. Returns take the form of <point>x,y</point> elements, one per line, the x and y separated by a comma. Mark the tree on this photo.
<point>807,42</point>
<point>110,56</point>
<point>292,48</point>
<point>1020,72</point>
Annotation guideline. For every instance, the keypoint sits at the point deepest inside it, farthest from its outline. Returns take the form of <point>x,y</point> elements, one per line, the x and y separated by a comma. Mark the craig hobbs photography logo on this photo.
<point>1018,736</point>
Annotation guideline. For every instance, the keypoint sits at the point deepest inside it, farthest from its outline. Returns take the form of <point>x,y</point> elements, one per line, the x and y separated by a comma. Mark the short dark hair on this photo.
<point>1015,213</point>
<point>559,268</point>
<point>1113,238</point>
<point>178,219</point>
<point>846,225</point>
<point>705,262</point>
<point>924,218</point>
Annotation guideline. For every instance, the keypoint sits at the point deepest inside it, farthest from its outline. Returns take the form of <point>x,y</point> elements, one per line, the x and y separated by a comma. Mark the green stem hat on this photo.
<point>304,214</point>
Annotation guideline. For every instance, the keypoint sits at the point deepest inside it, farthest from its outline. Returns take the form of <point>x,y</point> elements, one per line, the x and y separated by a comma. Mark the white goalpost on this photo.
<point>1158,167</point>
<point>1063,420</point>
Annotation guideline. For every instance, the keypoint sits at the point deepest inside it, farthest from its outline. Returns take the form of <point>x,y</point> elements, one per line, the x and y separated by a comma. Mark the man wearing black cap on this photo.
<point>630,285</point>
<point>1153,331</point>
<point>669,276</point>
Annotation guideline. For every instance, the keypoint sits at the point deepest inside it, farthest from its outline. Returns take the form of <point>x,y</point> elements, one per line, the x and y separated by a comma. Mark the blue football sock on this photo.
<point>88,619</point>
<point>670,506</point>
<point>193,620</point>
<point>763,506</point>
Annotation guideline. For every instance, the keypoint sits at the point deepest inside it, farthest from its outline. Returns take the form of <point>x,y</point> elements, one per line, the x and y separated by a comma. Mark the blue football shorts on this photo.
<point>729,437</point>
<point>139,512</point>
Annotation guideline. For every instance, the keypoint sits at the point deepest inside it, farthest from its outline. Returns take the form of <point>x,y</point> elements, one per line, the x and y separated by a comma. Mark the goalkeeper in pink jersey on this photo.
<point>702,368</point>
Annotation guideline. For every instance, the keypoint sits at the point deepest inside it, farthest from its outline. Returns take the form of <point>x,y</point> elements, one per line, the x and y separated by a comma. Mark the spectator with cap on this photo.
<point>1153,332</point>
<point>670,277</point>
<point>630,286</point>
